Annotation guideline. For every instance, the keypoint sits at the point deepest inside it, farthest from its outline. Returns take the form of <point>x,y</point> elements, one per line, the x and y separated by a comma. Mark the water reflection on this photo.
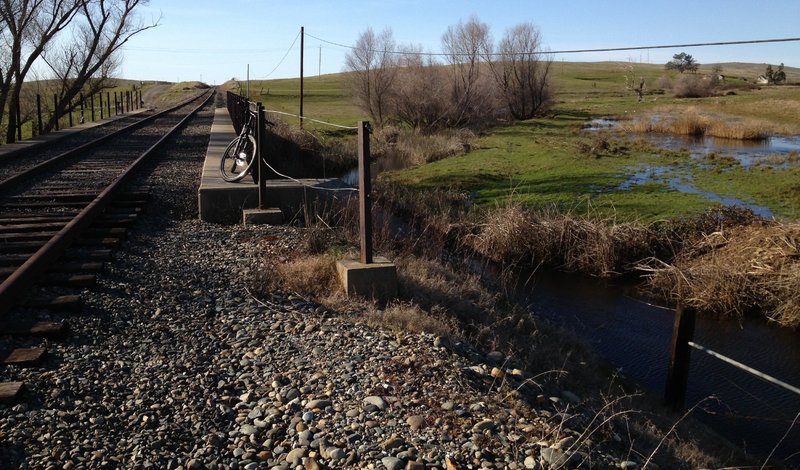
<point>635,337</point>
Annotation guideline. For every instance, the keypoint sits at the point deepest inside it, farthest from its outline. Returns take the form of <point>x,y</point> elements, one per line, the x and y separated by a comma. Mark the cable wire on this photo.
<point>577,51</point>
<point>283,58</point>
<point>312,120</point>
<point>312,186</point>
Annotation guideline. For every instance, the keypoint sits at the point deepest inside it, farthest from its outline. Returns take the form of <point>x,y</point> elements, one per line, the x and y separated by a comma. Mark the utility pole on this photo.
<point>248,81</point>
<point>302,41</point>
<point>319,67</point>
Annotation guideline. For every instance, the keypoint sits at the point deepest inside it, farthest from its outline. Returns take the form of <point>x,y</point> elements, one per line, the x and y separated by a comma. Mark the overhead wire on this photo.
<point>283,58</point>
<point>576,51</point>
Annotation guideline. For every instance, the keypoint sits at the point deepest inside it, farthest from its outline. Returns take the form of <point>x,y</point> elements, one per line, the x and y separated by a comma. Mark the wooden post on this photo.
<point>83,109</point>
<point>101,105</point>
<point>302,40</point>
<point>260,155</point>
<point>69,111</point>
<point>39,112</point>
<point>108,103</point>
<point>91,102</point>
<point>364,189</point>
<point>678,371</point>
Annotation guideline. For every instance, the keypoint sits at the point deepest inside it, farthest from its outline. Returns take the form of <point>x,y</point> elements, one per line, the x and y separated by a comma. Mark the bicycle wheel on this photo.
<point>238,158</point>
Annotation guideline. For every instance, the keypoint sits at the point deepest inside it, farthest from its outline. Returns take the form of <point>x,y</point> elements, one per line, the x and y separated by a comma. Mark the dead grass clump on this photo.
<point>693,123</point>
<point>738,271</point>
<point>572,243</point>
<point>407,316</point>
<point>408,147</point>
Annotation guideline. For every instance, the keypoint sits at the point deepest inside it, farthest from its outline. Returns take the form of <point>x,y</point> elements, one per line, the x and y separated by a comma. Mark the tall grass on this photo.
<point>736,272</point>
<point>698,124</point>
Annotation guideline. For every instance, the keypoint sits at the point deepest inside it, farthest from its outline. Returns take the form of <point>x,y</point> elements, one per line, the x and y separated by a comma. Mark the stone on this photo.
<point>416,422</point>
<point>376,402</point>
<point>318,404</point>
<point>392,463</point>
<point>393,443</point>
<point>496,356</point>
<point>554,457</point>
<point>497,373</point>
<point>413,465</point>
<point>485,425</point>
<point>530,462</point>
<point>628,465</point>
<point>248,430</point>
<point>295,455</point>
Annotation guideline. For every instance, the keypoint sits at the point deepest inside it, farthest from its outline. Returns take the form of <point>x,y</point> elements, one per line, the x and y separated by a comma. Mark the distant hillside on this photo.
<point>751,71</point>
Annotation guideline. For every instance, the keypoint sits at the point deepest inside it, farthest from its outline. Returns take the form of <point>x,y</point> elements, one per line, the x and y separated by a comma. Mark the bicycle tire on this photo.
<point>238,158</point>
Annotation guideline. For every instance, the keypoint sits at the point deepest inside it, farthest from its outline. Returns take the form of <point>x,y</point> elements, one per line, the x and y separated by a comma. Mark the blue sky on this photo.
<point>215,41</point>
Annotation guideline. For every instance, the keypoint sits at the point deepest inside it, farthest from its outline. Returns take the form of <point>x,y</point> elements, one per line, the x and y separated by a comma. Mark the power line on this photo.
<point>283,58</point>
<point>577,51</point>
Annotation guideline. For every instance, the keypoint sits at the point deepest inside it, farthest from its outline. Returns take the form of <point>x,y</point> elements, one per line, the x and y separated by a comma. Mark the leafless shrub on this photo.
<point>374,70</point>
<point>692,86</point>
<point>664,83</point>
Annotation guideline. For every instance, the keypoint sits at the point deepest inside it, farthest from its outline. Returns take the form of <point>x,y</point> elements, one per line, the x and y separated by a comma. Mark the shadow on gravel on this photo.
<point>12,455</point>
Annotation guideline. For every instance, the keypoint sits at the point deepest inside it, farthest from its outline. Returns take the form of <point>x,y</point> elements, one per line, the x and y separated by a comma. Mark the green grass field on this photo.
<point>538,162</point>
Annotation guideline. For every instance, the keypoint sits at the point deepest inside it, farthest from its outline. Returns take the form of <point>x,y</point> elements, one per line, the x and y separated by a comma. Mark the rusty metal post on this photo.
<point>364,190</point>
<point>39,112</point>
<point>261,155</point>
<point>19,120</point>
<point>678,371</point>
<point>55,109</point>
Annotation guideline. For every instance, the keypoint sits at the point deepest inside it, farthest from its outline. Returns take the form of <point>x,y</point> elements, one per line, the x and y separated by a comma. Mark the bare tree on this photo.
<point>522,71</point>
<point>87,64</point>
<point>465,44</point>
<point>420,94</point>
<point>373,65</point>
<point>26,29</point>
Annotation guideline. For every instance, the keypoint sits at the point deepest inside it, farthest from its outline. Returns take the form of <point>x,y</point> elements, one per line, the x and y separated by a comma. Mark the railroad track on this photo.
<point>61,216</point>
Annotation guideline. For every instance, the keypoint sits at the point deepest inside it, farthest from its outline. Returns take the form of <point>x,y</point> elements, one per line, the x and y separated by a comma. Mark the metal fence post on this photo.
<point>91,102</point>
<point>39,112</point>
<point>19,120</point>
<point>678,371</point>
<point>55,109</point>
<point>364,189</point>
<point>260,154</point>
<point>108,103</point>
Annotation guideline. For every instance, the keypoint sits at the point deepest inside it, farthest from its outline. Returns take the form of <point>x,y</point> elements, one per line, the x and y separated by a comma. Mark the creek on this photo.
<point>635,337</point>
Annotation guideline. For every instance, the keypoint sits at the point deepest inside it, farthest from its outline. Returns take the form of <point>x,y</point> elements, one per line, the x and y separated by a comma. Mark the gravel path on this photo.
<point>173,365</point>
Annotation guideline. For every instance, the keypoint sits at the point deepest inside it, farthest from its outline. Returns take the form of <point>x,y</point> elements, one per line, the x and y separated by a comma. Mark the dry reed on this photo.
<point>735,272</point>
<point>694,123</point>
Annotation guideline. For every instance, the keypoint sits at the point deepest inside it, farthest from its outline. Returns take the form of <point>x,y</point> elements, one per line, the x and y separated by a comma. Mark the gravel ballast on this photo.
<point>172,364</point>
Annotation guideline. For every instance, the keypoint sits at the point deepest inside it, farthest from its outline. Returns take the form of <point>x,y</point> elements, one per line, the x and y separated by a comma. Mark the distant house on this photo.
<point>762,80</point>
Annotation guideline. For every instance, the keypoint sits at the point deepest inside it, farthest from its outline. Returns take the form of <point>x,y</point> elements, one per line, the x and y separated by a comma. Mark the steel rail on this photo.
<point>36,169</point>
<point>15,284</point>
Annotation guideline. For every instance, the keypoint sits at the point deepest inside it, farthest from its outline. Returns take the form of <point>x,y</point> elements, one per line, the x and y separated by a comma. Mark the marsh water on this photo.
<point>635,337</point>
<point>775,151</point>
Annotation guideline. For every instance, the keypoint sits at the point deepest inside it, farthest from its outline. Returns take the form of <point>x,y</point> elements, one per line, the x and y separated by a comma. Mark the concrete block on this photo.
<point>270,216</point>
<point>377,280</point>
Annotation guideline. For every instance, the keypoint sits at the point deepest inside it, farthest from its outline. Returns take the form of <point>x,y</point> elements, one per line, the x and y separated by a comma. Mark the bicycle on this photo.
<point>240,154</point>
